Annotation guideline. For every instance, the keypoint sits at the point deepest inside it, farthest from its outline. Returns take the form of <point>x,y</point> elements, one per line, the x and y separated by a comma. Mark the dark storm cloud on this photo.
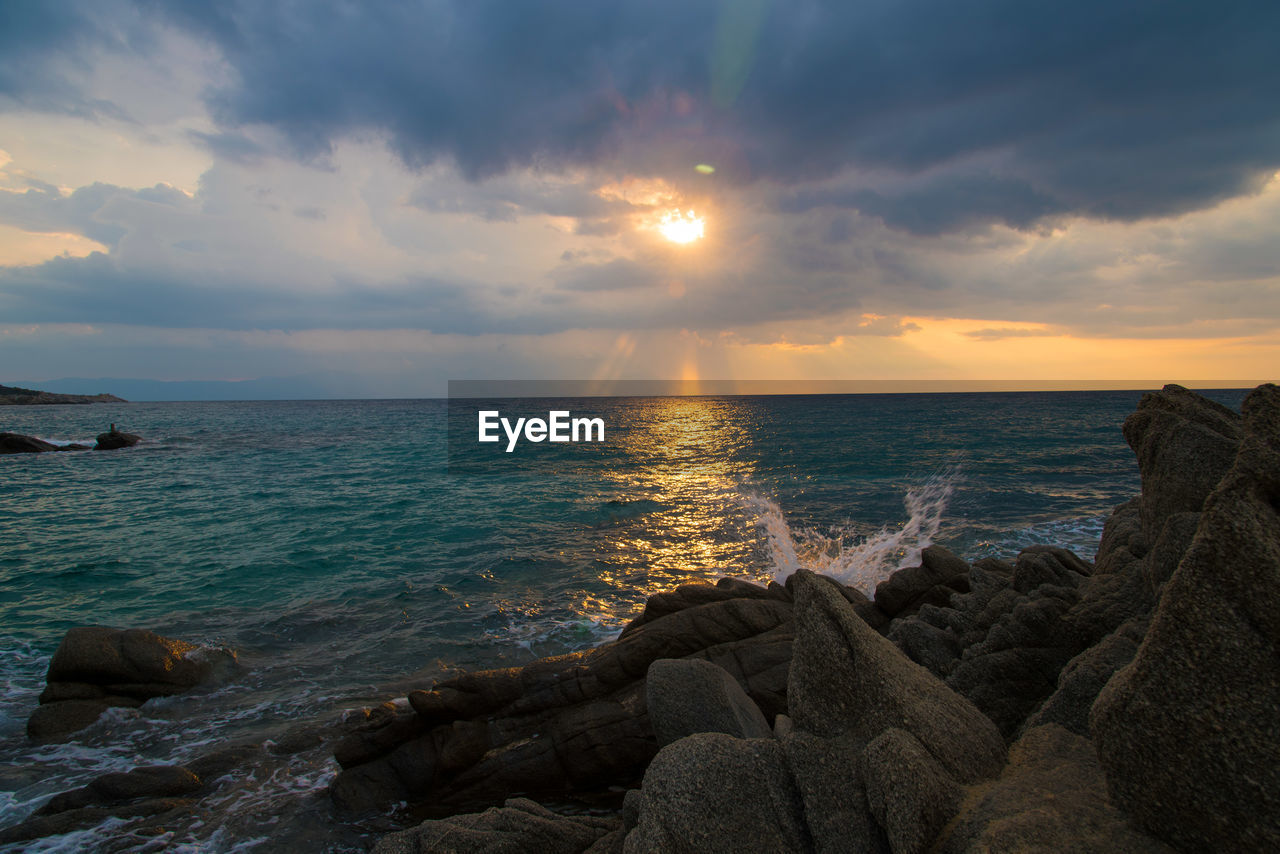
<point>995,110</point>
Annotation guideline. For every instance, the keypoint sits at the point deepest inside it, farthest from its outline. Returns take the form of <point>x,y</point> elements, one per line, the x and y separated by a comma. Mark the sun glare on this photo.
<point>680,227</point>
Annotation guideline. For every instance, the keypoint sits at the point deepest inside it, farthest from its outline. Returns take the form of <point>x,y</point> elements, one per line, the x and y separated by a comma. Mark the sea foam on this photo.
<point>860,561</point>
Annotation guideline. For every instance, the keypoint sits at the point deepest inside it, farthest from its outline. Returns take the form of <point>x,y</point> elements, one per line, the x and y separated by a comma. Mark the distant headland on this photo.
<point>14,396</point>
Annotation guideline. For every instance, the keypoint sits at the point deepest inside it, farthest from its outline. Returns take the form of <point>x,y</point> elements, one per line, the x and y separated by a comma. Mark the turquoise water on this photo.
<point>331,544</point>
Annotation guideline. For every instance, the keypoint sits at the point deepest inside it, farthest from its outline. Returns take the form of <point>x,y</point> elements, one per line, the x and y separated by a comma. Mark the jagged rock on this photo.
<point>1169,548</point>
<point>147,781</point>
<point>1015,665</point>
<point>685,696</point>
<point>1084,677</point>
<point>115,439</point>
<point>934,647</point>
<point>848,680</point>
<point>702,593</point>
<point>95,668</point>
<point>1050,798</point>
<point>939,575</point>
<point>558,724</point>
<point>828,775</point>
<point>715,793</point>
<point>759,663</point>
<point>517,827</point>
<point>1187,732</point>
<point>910,796</point>
<point>1184,443</point>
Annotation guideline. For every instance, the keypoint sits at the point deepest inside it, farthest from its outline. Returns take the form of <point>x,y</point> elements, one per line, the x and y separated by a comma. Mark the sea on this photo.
<point>349,552</point>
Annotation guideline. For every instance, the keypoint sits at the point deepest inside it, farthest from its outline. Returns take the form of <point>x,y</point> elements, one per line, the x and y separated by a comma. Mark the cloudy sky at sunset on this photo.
<point>397,194</point>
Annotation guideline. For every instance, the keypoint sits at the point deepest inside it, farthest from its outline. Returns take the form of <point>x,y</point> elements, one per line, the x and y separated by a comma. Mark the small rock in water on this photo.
<point>113,439</point>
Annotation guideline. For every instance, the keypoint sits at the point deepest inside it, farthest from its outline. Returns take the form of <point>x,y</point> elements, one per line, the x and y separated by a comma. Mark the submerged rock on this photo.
<point>96,668</point>
<point>16,443</point>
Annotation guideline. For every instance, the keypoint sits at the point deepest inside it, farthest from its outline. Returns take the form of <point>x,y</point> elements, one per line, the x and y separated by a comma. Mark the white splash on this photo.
<point>861,562</point>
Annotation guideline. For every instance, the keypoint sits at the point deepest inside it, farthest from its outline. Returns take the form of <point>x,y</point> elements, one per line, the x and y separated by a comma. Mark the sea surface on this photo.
<point>332,544</point>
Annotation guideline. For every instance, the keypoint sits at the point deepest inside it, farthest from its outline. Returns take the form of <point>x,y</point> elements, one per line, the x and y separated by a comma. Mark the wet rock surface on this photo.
<point>96,668</point>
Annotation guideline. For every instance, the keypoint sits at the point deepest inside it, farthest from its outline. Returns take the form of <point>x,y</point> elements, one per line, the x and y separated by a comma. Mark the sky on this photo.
<point>381,197</point>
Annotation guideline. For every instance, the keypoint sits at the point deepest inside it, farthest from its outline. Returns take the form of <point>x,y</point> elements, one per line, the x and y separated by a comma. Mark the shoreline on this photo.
<point>1049,611</point>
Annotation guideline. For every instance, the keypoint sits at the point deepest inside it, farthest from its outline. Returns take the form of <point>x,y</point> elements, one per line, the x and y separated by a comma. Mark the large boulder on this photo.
<point>1051,798</point>
<point>715,793</point>
<point>828,774</point>
<point>910,796</point>
<point>846,679</point>
<point>96,668</point>
<point>686,696</point>
<point>1187,733</point>
<point>1184,443</point>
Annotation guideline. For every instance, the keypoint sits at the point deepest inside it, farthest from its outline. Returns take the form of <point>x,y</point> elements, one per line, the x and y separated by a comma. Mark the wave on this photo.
<point>860,561</point>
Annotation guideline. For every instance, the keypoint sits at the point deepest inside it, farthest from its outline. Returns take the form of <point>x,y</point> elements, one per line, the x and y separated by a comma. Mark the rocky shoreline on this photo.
<point>1041,704</point>
<point>15,396</point>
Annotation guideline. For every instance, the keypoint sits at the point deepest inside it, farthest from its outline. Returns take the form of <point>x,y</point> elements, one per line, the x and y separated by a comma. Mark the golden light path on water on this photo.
<point>684,454</point>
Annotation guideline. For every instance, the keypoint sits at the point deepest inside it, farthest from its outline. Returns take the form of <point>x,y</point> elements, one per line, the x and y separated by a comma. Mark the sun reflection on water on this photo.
<point>685,454</point>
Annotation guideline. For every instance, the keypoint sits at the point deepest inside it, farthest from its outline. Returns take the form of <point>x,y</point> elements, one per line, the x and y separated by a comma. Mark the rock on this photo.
<point>57,720</point>
<point>214,764</point>
<point>685,696</point>
<point>701,593</point>
<point>1187,732</point>
<point>932,647</point>
<point>939,575</point>
<point>715,793</point>
<point>1050,798</point>
<point>1014,667</point>
<point>1184,443</point>
<point>519,826</point>
<point>16,443</point>
<point>41,826</point>
<point>1170,546</point>
<point>828,775</point>
<point>95,668</point>
<point>909,794</point>
<point>150,781</point>
<point>561,724</point>
<point>1084,677</point>
<point>114,439</point>
<point>100,655</point>
<point>848,680</point>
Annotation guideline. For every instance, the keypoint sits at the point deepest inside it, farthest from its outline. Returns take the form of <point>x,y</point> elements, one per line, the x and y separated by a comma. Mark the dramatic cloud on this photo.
<point>877,179</point>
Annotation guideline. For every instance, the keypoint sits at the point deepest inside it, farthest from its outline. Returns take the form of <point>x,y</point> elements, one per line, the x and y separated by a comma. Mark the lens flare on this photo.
<point>681,226</point>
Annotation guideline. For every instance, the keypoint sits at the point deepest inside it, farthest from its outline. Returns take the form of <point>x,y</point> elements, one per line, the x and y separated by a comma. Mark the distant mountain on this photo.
<point>15,396</point>
<point>266,388</point>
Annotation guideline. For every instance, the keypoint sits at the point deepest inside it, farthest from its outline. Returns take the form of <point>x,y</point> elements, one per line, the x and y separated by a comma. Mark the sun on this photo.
<point>681,226</point>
